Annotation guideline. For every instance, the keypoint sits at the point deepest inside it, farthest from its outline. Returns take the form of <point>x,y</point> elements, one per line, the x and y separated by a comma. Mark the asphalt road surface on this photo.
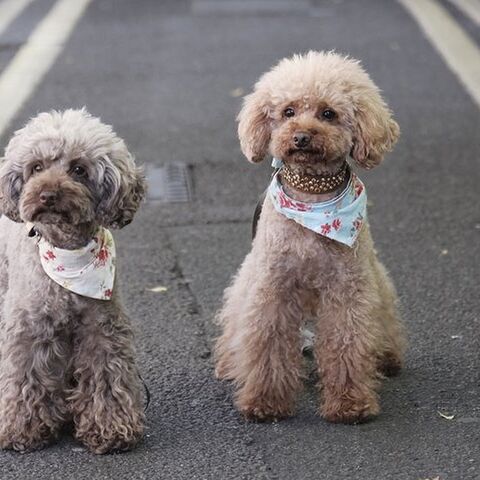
<point>169,76</point>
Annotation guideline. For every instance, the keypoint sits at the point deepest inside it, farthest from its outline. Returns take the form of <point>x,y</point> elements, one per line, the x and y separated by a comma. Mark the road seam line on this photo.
<point>34,59</point>
<point>9,11</point>
<point>456,47</point>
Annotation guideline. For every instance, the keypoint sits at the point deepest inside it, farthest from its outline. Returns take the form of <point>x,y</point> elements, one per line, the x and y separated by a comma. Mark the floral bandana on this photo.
<point>88,271</point>
<point>340,218</point>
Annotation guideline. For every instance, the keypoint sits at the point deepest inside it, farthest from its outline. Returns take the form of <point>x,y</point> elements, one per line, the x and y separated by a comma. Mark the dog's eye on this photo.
<point>79,171</point>
<point>329,114</point>
<point>289,112</point>
<point>38,167</point>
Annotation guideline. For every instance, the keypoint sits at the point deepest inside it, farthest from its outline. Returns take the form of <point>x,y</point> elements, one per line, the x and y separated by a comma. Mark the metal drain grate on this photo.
<point>170,183</point>
<point>249,6</point>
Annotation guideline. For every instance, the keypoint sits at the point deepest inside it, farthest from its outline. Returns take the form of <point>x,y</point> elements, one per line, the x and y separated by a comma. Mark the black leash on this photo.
<point>258,211</point>
<point>258,208</point>
<point>147,393</point>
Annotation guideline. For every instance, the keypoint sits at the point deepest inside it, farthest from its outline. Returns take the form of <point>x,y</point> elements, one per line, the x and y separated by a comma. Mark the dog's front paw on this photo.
<point>262,410</point>
<point>111,429</point>
<point>108,439</point>
<point>264,414</point>
<point>23,445</point>
<point>347,410</point>
<point>28,426</point>
<point>26,438</point>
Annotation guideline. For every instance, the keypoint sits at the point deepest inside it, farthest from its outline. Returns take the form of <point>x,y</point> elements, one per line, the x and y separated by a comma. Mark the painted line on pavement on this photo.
<point>470,8</point>
<point>456,47</point>
<point>9,11</point>
<point>36,56</point>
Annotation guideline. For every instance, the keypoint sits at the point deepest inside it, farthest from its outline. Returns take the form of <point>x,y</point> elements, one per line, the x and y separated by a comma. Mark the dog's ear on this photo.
<point>254,128</point>
<point>124,189</point>
<point>375,132</point>
<point>11,184</point>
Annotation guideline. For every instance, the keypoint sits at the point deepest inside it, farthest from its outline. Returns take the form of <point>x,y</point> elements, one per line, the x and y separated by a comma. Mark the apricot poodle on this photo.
<point>313,256</point>
<point>66,345</point>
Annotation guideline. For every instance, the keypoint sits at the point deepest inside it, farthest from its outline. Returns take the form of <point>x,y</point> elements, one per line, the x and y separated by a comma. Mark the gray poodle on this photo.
<point>64,356</point>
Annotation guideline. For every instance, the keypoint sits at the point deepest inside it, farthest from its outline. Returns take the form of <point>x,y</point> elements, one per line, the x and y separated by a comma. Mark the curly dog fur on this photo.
<point>64,357</point>
<point>293,273</point>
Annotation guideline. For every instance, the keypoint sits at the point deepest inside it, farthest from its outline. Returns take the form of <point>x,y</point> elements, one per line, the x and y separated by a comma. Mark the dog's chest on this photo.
<point>314,261</point>
<point>42,294</point>
<point>320,263</point>
<point>58,304</point>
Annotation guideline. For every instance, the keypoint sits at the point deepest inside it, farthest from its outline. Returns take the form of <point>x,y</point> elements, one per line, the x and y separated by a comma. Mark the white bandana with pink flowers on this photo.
<point>88,271</point>
<point>340,218</point>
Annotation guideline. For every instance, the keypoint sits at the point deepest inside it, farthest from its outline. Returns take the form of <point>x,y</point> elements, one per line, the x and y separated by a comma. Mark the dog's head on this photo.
<point>317,107</point>
<point>69,168</point>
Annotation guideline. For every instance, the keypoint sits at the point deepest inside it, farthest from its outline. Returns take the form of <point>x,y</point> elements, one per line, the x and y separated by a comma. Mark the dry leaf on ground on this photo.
<point>158,289</point>
<point>446,416</point>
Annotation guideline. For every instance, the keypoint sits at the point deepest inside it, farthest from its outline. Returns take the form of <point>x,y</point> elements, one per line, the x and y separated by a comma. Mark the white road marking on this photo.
<point>36,56</point>
<point>9,10</point>
<point>470,8</point>
<point>456,47</point>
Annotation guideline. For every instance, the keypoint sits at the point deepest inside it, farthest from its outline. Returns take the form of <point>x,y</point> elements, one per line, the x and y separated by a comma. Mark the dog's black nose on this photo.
<point>48,198</point>
<point>301,139</point>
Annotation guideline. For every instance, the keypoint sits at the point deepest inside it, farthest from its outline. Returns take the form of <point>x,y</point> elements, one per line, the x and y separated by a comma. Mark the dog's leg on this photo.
<point>228,319</point>
<point>225,349</point>
<point>346,351</point>
<point>107,400</point>
<point>269,358</point>
<point>393,348</point>
<point>265,357</point>
<point>32,380</point>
